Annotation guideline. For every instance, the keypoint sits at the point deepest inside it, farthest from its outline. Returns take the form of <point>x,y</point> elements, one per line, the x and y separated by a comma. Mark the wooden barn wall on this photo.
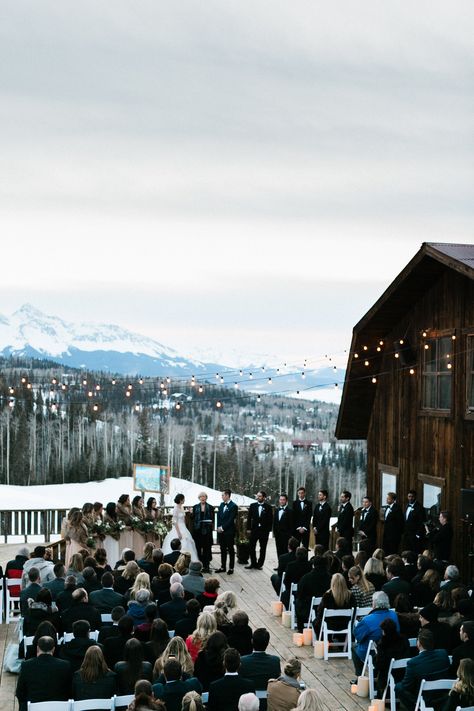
<point>399,434</point>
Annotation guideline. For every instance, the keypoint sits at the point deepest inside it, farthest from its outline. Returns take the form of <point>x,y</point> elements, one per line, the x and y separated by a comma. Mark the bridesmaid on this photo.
<point>111,544</point>
<point>152,511</point>
<point>77,534</point>
<point>138,510</point>
<point>124,509</point>
<point>88,514</point>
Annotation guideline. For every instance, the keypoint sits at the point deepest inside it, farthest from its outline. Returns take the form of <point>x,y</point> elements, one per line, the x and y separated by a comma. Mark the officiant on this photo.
<point>203,526</point>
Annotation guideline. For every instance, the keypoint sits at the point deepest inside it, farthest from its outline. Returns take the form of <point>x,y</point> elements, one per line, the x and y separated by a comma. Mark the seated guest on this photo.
<point>408,619</point>
<point>175,609</point>
<point>40,610</point>
<point>90,580</point>
<point>146,563</point>
<point>76,568</point>
<point>309,700</point>
<point>424,592</point>
<point>159,639</point>
<point>142,631</point>
<point>396,584</point>
<point>93,680</point>
<point>462,693</point>
<point>105,599</point>
<point>145,698</point>
<point>114,646</point>
<point>284,692</point>
<point>81,609</point>
<point>43,668</point>
<point>132,668</point>
<point>338,597</point>
<point>192,701</point>
<point>444,603</point>
<point>360,587</point>
<point>14,569</point>
<point>39,559</point>
<point>101,564</point>
<point>333,562</point>
<point>313,584</point>
<point>240,633</point>
<point>466,648</point>
<point>174,687</point>
<point>375,573</point>
<point>141,582</point>
<point>175,649</point>
<point>260,666</point>
<point>182,564</point>
<point>64,599</point>
<point>172,557</point>
<point>74,651</point>
<point>423,563</point>
<point>111,630</point>
<point>451,579</point>
<point>127,556</point>
<point>193,582</point>
<point>209,664</point>
<point>294,572</point>
<point>31,590</point>
<point>441,631</point>
<point>429,664</point>
<point>283,561</point>
<point>369,628</point>
<point>391,645</point>
<point>409,560</point>
<point>136,608</point>
<point>157,560</point>
<point>347,562</point>
<point>342,548</point>
<point>160,585</point>
<point>44,629</point>
<point>222,616</point>
<point>56,586</point>
<point>206,625</point>
<point>226,692</point>
<point>125,580</point>
<point>209,596</point>
<point>187,624</point>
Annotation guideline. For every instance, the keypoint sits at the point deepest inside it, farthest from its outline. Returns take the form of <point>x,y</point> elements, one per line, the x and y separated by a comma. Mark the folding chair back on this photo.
<point>293,591</point>
<point>106,617</point>
<point>394,664</point>
<point>326,631</point>
<point>261,693</point>
<point>436,685</point>
<point>205,697</point>
<point>49,705</point>
<point>282,586</point>
<point>362,612</point>
<point>464,708</point>
<point>368,668</point>
<point>10,610</point>
<point>313,611</point>
<point>124,700</point>
<point>1,600</point>
<point>94,705</point>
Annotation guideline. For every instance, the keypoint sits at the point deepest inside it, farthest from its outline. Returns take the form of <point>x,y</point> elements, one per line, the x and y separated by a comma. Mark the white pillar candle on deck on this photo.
<point>363,686</point>
<point>319,650</point>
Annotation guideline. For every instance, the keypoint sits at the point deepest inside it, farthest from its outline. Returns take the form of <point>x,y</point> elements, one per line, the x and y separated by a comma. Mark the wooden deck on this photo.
<point>254,592</point>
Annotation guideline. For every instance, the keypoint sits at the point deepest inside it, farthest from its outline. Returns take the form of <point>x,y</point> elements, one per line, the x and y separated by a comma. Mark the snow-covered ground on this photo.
<point>60,496</point>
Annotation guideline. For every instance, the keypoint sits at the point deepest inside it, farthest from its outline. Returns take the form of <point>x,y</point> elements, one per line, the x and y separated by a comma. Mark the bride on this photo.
<point>180,530</point>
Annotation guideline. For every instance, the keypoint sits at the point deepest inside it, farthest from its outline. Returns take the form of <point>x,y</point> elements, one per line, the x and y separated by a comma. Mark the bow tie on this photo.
<point>282,508</point>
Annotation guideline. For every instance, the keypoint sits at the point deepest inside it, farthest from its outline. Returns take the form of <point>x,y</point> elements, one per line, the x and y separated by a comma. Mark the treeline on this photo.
<point>59,427</point>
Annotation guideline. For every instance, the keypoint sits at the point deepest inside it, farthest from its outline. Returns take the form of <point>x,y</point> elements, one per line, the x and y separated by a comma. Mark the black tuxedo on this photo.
<point>172,692</point>
<point>368,526</point>
<point>226,692</point>
<point>414,531</point>
<point>43,678</point>
<point>302,519</point>
<point>321,518</point>
<point>172,557</point>
<point>440,541</point>
<point>259,523</point>
<point>393,528</point>
<point>282,529</point>
<point>202,532</point>
<point>226,516</point>
<point>345,522</point>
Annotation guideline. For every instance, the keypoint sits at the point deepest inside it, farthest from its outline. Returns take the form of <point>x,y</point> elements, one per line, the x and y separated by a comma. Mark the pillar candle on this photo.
<point>353,688</point>
<point>378,704</point>
<point>363,686</point>
<point>277,608</point>
<point>319,651</point>
<point>308,637</point>
<point>286,618</point>
<point>298,639</point>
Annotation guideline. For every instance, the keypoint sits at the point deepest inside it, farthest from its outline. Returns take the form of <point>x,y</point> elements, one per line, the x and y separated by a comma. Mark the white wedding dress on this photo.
<point>187,541</point>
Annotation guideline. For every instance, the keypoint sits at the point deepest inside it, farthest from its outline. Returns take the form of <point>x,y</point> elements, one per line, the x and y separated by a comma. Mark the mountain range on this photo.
<point>30,333</point>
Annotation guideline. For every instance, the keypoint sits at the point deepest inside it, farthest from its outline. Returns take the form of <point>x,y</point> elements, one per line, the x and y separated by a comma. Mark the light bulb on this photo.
<point>366,362</point>
<point>374,380</point>
<point>412,371</point>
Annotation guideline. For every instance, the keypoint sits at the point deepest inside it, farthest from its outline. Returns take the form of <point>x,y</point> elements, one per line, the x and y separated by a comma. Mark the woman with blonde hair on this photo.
<point>192,701</point>
<point>141,582</point>
<point>284,692</point>
<point>125,581</point>
<point>176,648</point>
<point>182,564</point>
<point>375,573</point>
<point>379,554</point>
<point>228,598</point>
<point>309,701</point>
<point>462,693</point>
<point>361,588</point>
<point>76,567</point>
<point>206,625</point>
<point>338,597</point>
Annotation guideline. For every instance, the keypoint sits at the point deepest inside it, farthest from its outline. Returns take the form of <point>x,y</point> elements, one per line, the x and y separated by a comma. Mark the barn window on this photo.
<point>470,374</point>
<point>437,373</point>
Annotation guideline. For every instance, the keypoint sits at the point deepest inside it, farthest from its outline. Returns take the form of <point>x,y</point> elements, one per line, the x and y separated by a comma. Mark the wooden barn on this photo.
<point>409,388</point>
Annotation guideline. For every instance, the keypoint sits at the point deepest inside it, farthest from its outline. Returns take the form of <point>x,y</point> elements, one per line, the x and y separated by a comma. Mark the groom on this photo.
<point>226,515</point>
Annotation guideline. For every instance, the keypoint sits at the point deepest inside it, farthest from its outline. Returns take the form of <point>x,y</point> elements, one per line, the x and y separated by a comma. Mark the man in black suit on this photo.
<point>394,522</point>
<point>259,525</point>
<point>294,573</point>
<point>226,516</point>
<point>429,664</point>
<point>56,586</point>
<point>174,688</point>
<point>175,609</point>
<point>368,526</point>
<point>188,623</point>
<point>106,599</point>
<point>226,692</point>
<point>74,651</point>
<point>172,557</point>
<point>31,590</point>
<point>114,646</point>
<point>396,584</point>
<point>414,529</point>
<point>43,678</point>
<point>302,511</point>
<point>312,584</point>
<point>112,630</point>
<point>283,562</point>
<point>81,609</point>
<point>282,525</point>
<point>321,518</point>
<point>466,649</point>
<point>259,666</point>
<point>345,518</point>
<point>203,526</point>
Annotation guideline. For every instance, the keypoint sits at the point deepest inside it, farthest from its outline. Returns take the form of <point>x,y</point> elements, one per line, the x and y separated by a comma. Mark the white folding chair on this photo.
<point>94,705</point>
<point>27,641</point>
<point>106,617</point>
<point>464,708</point>
<point>10,609</point>
<point>438,685</point>
<point>313,611</point>
<point>361,612</point>
<point>1,600</point>
<point>67,637</point>
<point>293,591</point>
<point>205,697</point>
<point>261,693</point>
<point>368,668</point>
<point>49,705</point>
<point>124,700</point>
<point>394,664</point>
<point>282,586</point>
<point>326,630</point>
<point>94,634</point>
<point>171,634</point>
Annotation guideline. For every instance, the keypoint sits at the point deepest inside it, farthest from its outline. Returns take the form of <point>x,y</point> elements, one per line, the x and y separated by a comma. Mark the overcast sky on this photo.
<point>234,176</point>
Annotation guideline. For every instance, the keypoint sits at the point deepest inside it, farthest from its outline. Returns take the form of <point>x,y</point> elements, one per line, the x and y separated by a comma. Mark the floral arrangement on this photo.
<point>100,529</point>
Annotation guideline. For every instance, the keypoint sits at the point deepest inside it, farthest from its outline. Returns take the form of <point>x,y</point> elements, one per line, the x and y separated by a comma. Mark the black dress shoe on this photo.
<point>275,568</point>
<point>206,570</point>
<point>220,570</point>
<point>230,571</point>
<point>250,567</point>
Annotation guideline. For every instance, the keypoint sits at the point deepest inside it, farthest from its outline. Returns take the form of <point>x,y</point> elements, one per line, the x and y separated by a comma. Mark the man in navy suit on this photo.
<point>175,688</point>
<point>321,518</point>
<point>226,692</point>
<point>429,664</point>
<point>259,525</point>
<point>302,511</point>
<point>226,516</point>
<point>259,666</point>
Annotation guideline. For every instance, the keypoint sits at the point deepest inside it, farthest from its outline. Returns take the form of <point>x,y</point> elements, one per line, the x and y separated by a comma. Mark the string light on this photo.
<point>424,334</point>
<point>397,355</point>
<point>374,380</point>
<point>258,398</point>
<point>200,389</point>
<point>141,381</point>
<point>168,379</point>
<point>380,343</point>
<point>29,386</point>
<point>90,393</point>
<point>250,376</point>
<point>365,348</point>
<point>356,355</point>
<point>63,386</point>
<point>178,406</point>
<point>366,362</point>
<point>303,375</point>
<point>54,381</point>
<point>426,346</point>
<point>270,380</point>
<point>240,373</point>
<point>95,408</point>
<point>378,349</point>
<point>23,380</point>
<point>84,382</point>
<point>130,386</point>
<point>113,382</point>
<point>412,371</point>
<point>127,393</point>
<point>401,341</point>
<point>137,408</point>
<point>218,404</point>
<point>97,387</point>
<point>453,338</point>
<point>449,366</point>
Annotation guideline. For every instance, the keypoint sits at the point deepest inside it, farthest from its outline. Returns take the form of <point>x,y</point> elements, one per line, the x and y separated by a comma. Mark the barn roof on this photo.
<point>426,267</point>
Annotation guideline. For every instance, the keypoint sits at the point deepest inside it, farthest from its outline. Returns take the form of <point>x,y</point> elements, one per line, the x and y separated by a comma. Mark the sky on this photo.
<point>233,178</point>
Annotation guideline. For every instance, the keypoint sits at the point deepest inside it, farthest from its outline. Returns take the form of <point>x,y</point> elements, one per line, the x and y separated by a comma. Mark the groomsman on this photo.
<point>302,511</point>
<point>226,515</point>
<point>282,525</point>
<point>345,518</point>
<point>394,522</point>
<point>414,532</point>
<point>368,525</point>
<point>321,518</point>
<point>203,525</point>
<point>259,525</point>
